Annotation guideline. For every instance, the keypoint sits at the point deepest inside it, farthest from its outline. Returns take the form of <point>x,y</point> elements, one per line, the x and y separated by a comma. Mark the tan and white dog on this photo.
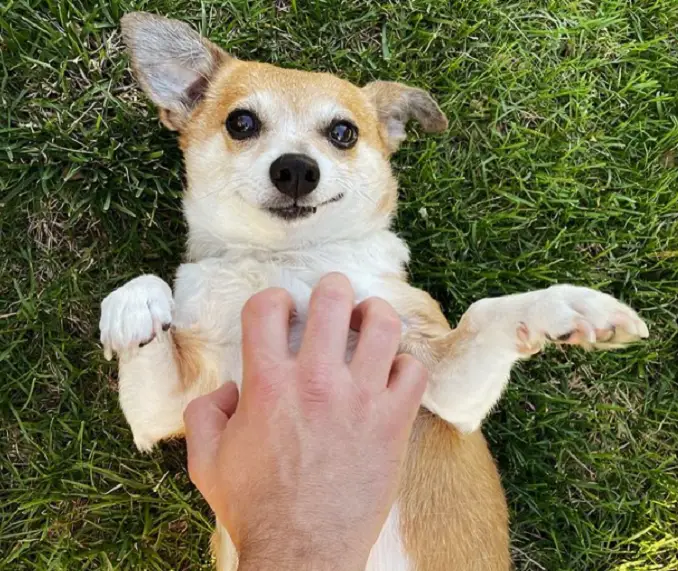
<point>288,178</point>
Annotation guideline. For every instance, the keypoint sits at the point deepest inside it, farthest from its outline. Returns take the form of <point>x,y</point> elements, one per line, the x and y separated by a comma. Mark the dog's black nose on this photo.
<point>295,175</point>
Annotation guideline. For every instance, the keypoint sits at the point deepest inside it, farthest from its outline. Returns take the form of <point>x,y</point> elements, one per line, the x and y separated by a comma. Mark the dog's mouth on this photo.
<point>298,211</point>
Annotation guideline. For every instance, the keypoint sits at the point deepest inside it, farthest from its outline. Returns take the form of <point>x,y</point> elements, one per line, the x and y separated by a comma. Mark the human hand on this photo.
<point>303,472</point>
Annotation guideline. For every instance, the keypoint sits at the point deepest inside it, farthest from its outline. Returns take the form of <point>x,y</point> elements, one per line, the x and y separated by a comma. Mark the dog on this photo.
<point>287,179</point>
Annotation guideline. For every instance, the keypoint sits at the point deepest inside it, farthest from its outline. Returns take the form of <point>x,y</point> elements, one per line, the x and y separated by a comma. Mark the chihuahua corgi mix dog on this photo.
<point>288,178</point>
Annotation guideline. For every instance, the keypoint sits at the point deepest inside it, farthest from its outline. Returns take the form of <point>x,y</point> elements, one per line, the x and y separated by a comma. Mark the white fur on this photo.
<point>136,315</point>
<point>388,553</point>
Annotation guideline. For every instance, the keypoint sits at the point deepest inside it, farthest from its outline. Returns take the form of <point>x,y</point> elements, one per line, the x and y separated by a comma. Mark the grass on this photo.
<point>559,166</point>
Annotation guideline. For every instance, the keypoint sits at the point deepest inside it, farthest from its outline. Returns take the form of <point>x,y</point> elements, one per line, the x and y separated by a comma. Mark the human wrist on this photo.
<point>297,556</point>
<point>271,564</point>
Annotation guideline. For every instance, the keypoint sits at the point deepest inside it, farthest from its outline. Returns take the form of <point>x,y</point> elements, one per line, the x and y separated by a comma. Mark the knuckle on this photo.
<point>362,403</point>
<point>317,386</point>
<point>263,383</point>
<point>320,372</point>
<point>383,317</point>
<point>315,393</point>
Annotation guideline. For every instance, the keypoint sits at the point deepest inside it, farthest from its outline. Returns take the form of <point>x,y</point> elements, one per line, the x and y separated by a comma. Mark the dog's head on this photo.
<point>274,157</point>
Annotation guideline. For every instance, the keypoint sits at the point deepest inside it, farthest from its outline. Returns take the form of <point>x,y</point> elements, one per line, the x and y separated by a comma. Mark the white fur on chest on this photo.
<point>210,294</point>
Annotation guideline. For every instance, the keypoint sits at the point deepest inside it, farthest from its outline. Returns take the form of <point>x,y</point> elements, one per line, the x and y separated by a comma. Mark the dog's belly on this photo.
<point>210,296</point>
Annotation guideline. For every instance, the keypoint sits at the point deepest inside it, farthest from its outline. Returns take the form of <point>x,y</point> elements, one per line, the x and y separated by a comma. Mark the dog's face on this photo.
<point>274,157</point>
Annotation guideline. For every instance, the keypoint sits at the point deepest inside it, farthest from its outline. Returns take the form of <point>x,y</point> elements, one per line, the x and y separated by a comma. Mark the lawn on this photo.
<point>560,165</point>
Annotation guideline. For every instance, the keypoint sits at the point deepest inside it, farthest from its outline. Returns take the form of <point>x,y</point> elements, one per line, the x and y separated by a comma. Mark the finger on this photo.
<point>329,316</point>
<point>205,420</point>
<point>378,340</point>
<point>265,329</point>
<point>406,386</point>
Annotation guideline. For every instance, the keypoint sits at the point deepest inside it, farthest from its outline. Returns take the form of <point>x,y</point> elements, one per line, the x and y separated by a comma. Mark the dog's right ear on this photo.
<point>173,63</point>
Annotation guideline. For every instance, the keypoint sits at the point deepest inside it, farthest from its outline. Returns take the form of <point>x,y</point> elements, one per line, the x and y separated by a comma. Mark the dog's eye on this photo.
<point>343,134</point>
<point>242,124</point>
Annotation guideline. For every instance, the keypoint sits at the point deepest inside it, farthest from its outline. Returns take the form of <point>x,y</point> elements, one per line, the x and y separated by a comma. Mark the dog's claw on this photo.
<point>147,341</point>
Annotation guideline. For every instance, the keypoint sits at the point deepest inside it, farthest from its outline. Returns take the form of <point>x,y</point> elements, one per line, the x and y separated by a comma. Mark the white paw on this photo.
<point>134,314</point>
<point>577,316</point>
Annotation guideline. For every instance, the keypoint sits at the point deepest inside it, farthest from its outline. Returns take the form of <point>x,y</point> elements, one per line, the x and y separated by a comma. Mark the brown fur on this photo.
<point>388,202</point>
<point>195,363</point>
<point>236,79</point>
<point>452,509</point>
<point>428,336</point>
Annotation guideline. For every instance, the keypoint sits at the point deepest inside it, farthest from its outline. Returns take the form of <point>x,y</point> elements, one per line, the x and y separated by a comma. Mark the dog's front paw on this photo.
<point>134,314</point>
<point>578,316</point>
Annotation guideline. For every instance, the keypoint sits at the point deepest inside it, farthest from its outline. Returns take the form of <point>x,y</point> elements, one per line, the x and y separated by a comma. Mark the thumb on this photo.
<point>205,420</point>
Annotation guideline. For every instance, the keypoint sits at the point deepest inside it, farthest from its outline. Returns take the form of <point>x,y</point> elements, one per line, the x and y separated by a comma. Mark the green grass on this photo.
<point>559,166</point>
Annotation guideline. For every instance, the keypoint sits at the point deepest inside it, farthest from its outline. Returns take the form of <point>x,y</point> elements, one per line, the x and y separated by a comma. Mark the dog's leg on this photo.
<point>470,365</point>
<point>159,369</point>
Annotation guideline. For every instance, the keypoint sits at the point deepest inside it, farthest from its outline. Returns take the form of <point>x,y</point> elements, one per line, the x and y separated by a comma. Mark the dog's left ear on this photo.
<point>173,63</point>
<point>396,104</point>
